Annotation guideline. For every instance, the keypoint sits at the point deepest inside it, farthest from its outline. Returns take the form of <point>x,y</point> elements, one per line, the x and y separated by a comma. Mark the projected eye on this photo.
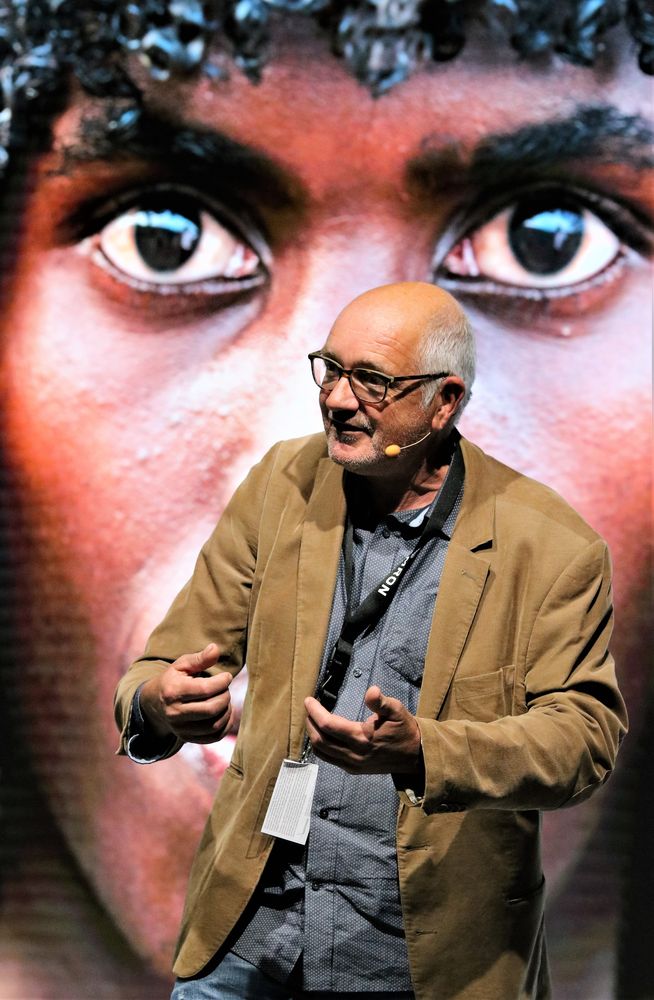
<point>167,241</point>
<point>543,240</point>
<point>171,249</point>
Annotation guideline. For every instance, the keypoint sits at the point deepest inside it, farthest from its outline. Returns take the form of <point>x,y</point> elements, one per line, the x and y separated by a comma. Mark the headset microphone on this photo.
<point>393,450</point>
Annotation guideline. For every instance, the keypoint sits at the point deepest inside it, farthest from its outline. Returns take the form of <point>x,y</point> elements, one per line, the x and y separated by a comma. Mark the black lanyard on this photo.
<point>370,610</point>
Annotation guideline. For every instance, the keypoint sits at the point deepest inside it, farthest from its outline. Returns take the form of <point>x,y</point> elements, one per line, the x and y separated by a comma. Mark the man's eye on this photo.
<point>167,241</point>
<point>370,378</point>
<point>544,240</point>
<point>332,371</point>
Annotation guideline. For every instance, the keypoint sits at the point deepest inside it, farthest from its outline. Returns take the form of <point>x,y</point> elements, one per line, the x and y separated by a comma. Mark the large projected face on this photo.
<point>155,339</point>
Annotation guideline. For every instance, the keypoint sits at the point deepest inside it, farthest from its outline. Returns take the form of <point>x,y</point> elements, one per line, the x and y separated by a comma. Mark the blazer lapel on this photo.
<point>320,549</point>
<point>462,584</point>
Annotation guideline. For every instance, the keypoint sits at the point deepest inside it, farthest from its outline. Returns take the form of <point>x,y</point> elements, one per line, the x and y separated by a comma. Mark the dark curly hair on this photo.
<point>43,42</point>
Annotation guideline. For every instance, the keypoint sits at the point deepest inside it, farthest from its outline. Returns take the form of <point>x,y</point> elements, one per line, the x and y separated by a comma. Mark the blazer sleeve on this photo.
<point>564,745</point>
<point>215,603</point>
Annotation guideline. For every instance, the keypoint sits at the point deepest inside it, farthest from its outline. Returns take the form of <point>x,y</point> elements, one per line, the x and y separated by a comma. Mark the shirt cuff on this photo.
<point>143,745</point>
<point>414,796</point>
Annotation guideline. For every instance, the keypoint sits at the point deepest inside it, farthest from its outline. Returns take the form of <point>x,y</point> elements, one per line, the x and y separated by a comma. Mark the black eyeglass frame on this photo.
<point>387,380</point>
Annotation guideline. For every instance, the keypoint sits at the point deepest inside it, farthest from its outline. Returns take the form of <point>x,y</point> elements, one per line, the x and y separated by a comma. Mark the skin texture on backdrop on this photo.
<point>133,407</point>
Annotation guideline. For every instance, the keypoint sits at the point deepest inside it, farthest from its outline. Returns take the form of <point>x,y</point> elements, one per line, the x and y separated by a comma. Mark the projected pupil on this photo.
<point>545,237</point>
<point>166,239</point>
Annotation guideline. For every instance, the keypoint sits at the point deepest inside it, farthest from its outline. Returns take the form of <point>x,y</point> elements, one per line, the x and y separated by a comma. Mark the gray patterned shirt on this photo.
<point>336,902</point>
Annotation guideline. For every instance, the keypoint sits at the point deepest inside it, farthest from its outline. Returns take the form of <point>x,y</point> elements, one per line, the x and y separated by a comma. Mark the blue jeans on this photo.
<point>236,979</point>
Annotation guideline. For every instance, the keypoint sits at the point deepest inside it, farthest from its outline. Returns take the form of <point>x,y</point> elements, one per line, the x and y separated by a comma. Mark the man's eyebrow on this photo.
<point>601,133</point>
<point>362,363</point>
<point>107,135</point>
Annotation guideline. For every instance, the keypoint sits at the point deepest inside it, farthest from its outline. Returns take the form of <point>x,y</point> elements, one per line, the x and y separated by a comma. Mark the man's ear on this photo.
<point>450,396</point>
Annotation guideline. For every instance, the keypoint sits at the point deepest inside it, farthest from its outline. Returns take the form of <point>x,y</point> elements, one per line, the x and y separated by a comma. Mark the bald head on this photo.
<point>427,321</point>
<point>415,306</point>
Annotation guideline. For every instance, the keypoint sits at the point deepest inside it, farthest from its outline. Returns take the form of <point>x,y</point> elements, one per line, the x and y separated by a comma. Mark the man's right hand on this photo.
<point>196,709</point>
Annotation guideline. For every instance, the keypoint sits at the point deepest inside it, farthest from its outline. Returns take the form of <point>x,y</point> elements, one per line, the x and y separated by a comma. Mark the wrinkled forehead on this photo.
<point>376,336</point>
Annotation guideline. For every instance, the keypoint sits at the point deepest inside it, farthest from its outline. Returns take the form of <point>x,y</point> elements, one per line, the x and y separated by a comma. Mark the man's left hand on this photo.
<point>387,741</point>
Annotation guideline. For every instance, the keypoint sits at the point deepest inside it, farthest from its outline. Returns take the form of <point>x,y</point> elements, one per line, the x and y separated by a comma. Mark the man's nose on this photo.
<point>341,396</point>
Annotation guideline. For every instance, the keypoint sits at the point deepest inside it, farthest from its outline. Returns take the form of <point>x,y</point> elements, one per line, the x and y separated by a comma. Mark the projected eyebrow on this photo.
<point>155,139</point>
<point>600,133</point>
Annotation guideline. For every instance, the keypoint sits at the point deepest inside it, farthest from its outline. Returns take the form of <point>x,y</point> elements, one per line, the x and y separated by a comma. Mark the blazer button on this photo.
<point>324,813</point>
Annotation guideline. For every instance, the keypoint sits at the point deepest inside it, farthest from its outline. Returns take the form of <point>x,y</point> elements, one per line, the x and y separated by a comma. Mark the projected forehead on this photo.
<point>381,41</point>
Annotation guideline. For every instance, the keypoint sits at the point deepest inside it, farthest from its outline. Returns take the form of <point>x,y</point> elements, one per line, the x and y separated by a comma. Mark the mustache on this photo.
<point>348,425</point>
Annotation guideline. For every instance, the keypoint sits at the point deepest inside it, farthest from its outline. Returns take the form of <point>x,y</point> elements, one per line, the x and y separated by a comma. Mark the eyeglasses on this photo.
<point>368,386</point>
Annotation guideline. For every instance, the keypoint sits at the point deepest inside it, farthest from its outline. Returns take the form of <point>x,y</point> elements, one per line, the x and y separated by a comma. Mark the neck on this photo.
<point>410,486</point>
<point>387,497</point>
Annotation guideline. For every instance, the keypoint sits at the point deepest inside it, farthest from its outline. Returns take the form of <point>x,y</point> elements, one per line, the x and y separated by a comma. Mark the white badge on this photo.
<point>289,811</point>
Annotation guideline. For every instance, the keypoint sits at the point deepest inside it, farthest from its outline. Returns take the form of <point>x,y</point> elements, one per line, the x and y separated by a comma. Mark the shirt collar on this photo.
<point>414,518</point>
<point>419,517</point>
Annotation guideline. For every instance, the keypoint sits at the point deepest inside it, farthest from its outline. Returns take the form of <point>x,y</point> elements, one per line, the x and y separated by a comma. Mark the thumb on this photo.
<point>379,703</point>
<point>196,663</point>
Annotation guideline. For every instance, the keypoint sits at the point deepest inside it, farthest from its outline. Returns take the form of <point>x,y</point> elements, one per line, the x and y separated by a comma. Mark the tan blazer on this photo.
<point>519,709</point>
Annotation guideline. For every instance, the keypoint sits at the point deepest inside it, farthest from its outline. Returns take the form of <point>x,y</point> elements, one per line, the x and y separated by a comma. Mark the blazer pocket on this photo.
<point>235,769</point>
<point>482,697</point>
<point>258,840</point>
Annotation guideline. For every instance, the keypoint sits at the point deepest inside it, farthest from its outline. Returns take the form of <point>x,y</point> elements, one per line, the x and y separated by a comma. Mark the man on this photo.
<point>479,693</point>
<point>165,276</point>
